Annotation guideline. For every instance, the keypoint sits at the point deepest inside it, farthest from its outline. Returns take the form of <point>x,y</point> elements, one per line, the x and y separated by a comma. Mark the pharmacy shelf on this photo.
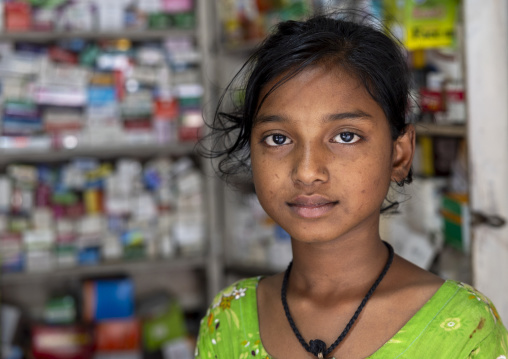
<point>249,270</point>
<point>103,269</point>
<point>432,129</point>
<point>35,155</point>
<point>241,49</point>
<point>134,35</point>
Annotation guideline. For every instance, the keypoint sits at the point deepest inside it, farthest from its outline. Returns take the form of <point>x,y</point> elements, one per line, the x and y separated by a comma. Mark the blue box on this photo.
<point>101,95</point>
<point>106,299</point>
<point>89,256</point>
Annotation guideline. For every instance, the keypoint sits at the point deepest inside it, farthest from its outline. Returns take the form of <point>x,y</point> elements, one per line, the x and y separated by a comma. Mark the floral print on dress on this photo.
<point>451,324</point>
<point>253,347</point>
<point>238,293</point>
<point>224,313</point>
<point>457,322</point>
<point>475,294</point>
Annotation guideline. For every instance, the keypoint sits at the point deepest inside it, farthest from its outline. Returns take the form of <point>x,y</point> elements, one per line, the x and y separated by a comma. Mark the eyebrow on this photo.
<point>359,114</point>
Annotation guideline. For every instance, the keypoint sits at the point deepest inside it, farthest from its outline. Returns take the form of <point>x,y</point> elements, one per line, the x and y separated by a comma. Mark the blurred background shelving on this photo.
<point>45,154</point>
<point>91,91</point>
<point>103,190</point>
<point>134,35</point>
<point>430,129</point>
<point>133,266</point>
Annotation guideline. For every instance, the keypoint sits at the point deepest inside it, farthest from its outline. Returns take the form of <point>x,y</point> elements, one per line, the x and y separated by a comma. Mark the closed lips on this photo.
<point>311,207</point>
<point>311,201</point>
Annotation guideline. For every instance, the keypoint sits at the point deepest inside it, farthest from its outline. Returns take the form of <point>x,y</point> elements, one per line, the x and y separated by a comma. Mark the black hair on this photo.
<point>343,40</point>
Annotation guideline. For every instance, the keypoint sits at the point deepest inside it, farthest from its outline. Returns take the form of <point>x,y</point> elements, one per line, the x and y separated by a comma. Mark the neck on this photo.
<point>342,266</point>
<point>317,346</point>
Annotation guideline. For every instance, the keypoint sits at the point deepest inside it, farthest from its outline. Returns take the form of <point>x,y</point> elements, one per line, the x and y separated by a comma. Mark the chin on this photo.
<point>311,234</point>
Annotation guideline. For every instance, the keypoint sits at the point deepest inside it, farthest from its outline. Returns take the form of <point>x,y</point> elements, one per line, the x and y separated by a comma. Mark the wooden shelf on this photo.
<point>135,35</point>
<point>105,268</point>
<point>432,129</point>
<point>102,151</point>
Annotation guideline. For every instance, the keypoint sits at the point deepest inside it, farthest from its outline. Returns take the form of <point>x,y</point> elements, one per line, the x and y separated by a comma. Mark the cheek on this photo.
<point>377,182</point>
<point>262,174</point>
<point>367,176</point>
<point>267,180</point>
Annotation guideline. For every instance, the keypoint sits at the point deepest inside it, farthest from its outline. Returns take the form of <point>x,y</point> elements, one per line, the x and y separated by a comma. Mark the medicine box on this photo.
<point>456,220</point>
<point>105,299</point>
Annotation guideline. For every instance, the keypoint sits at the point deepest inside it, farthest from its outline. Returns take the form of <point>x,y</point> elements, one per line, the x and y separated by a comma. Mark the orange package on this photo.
<point>118,335</point>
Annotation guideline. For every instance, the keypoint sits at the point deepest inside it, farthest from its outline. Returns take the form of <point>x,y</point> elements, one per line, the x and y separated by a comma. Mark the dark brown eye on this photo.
<point>277,140</point>
<point>346,137</point>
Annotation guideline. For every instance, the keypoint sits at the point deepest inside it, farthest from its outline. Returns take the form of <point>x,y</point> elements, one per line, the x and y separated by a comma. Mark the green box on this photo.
<point>167,326</point>
<point>456,221</point>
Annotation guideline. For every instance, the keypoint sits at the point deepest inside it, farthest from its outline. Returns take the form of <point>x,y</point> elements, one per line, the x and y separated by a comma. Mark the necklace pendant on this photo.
<point>320,356</point>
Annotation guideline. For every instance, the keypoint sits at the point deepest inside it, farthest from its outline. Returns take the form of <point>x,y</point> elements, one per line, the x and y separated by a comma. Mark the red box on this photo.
<point>62,342</point>
<point>143,124</point>
<point>431,101</point>
<point>166,109</point>
<point>118,335</point>
<point>57,54</point>
<point>119,80</point>
<point>18,16</point>
<point>455,95</point>
<point>189,134</point>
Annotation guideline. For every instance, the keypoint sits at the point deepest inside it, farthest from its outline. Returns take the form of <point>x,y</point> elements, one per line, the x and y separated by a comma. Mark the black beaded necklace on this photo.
<point>317,346</point>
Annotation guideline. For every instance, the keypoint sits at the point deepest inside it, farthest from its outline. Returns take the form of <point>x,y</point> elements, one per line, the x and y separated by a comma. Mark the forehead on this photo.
<point>317,89</point>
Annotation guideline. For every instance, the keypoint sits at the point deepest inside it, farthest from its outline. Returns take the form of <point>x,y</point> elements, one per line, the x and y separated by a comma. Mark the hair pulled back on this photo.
<point>347,42</point>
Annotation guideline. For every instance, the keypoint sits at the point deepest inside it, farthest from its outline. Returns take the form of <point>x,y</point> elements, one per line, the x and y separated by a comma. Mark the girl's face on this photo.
<point>322,156</point>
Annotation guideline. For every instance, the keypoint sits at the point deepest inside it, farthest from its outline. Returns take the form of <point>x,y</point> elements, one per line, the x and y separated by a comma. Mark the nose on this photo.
<point>310,166</point>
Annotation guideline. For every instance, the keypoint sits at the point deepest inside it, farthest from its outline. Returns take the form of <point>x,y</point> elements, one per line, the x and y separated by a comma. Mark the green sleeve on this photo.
<point>204,347</point>
<point>224,331</point>
<point>494,345</point>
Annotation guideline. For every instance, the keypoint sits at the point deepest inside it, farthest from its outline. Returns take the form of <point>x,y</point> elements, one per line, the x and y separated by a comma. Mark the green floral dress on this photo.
<point>457,322</point>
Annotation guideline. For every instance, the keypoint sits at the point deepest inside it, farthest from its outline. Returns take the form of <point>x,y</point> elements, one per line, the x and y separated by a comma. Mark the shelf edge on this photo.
<point>431,129</point>
<point>44,36</point>
<point>105,268</point>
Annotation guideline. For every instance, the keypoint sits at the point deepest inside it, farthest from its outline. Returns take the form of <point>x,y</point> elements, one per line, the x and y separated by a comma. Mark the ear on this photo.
<point>402,155</point>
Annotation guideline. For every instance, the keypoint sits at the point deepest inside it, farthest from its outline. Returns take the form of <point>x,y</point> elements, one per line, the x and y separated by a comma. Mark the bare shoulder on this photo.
<point>408,287</point>
<point>411,277</point>
<point>402,293</point>
<point>269,288</point>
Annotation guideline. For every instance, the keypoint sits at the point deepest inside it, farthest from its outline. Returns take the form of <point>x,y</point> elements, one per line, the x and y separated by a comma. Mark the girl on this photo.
<point>323,130</point>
